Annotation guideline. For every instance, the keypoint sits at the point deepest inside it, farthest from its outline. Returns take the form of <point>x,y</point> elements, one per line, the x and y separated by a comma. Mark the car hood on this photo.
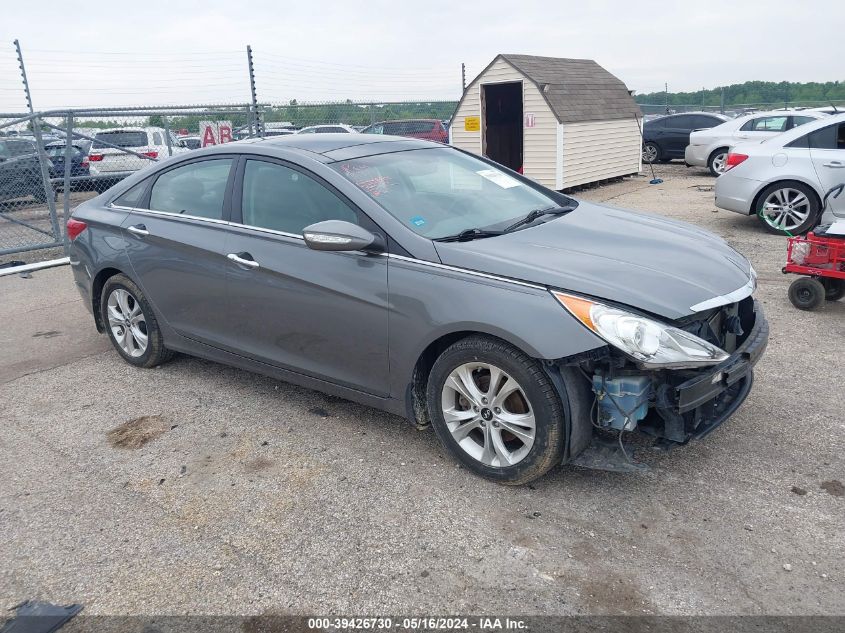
<point>656,265</point>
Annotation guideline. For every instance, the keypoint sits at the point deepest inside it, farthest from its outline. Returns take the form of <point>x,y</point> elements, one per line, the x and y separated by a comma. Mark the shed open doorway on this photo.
<point>502,112</point>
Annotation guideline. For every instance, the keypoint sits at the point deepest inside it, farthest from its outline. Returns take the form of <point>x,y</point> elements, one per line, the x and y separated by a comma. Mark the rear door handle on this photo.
<point>249,263</point>
<point>836,164</point>
<point>139,229</point>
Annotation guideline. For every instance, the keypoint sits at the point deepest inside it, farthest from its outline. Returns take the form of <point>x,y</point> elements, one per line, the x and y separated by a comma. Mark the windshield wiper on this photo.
<point>468,234</point>
<point>537,213</point>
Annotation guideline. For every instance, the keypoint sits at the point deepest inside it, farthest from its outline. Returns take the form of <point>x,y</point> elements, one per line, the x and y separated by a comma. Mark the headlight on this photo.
<point>654,344</point>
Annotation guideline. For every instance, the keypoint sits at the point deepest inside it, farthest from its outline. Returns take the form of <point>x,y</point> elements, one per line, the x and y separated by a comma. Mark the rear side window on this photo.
<point>801,120</point>
<point>121,139</point>
<point>194,189</point>
<point>830,137</point>
<point>157,139</point>
<point>133,196</point>
<point>766,124</point>
<point>283,199</point>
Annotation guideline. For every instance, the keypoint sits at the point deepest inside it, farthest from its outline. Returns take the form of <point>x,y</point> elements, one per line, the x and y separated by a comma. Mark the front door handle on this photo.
<point>249,263</point>
<point>139,229</point>
<point>835,164</point>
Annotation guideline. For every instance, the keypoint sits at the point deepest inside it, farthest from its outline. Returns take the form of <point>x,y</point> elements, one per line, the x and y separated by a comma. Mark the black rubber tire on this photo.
<point>802,228</point>
<point>548,447</point>
<point>156,353</point>
<point>834,289</point>
<point>712,157</point>
<point>806,293</point>
<point>658,155</point>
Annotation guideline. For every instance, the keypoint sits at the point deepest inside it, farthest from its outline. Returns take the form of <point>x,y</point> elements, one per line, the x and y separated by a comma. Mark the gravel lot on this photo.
<point>252,496</point>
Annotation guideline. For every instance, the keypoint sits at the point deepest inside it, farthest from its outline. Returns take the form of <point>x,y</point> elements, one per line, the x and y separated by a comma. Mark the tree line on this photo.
<point>752,92</point>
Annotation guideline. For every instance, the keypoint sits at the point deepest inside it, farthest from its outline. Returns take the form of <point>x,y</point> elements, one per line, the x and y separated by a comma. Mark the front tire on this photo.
<point>788,208</point>
<point>131,323</point>
<point>495,410</point>
<point>806,293</point>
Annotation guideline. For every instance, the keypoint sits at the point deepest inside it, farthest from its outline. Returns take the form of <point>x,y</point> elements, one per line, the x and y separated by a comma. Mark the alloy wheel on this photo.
<point>720,162</point>
<point>786,209</point>
<point>127,322</point>
<point>488,414</point>
<point>650,153</point>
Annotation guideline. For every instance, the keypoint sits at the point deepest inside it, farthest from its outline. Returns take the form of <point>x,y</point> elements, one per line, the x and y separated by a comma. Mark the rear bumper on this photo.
<point>734,193</point>
<point>696,155</point>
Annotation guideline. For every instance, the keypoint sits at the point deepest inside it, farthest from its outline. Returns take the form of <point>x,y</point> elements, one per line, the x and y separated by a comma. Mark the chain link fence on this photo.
<point>52,161</point>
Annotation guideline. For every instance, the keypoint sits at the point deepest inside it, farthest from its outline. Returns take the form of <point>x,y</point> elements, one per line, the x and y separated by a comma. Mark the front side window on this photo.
<point>283,199</point>
<point>194,189</point>
<point>801,120</point>
<point>683,122</point>
<point>441,192</point>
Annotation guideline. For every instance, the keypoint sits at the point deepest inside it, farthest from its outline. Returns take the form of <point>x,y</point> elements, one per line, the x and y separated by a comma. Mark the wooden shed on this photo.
<point>562,122</point>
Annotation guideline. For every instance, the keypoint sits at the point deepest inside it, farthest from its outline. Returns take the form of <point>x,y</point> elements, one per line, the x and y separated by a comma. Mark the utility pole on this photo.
<point>23,76</point>
<point>722,101</point>
<point>463,78</point>
<point>666,93</point>
<point>259,130</point>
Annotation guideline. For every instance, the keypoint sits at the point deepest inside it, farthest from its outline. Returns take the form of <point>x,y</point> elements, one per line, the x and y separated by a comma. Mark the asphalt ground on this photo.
<point>198,488</point>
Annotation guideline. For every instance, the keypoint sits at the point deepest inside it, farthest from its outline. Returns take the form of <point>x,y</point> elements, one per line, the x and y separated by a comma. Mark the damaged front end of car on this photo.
<point>671,381</point>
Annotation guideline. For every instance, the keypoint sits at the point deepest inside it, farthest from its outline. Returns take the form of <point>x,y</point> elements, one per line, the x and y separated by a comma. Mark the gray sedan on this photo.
<point>526,327</point>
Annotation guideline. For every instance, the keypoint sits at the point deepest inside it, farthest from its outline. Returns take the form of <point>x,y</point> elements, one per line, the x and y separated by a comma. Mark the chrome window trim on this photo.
<point>732,297</point>
<point>168,214</point>
<point>261,229</point>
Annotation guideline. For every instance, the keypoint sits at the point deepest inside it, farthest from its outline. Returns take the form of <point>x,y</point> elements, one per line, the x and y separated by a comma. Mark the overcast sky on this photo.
<point>152,52</point>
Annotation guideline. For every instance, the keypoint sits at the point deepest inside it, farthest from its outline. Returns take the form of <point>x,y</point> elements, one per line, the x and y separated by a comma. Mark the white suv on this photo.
<point>147,144</point>
<point>709,148</point>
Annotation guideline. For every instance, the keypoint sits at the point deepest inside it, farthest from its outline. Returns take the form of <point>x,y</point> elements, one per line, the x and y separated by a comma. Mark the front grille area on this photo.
<point>726,326</point>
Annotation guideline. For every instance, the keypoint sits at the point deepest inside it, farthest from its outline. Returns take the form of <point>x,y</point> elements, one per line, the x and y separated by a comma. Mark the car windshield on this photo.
<point>121,139</point>
<point>442,192</point>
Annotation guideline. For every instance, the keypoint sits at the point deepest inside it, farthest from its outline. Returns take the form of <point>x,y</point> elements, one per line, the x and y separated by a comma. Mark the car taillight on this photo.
<point>734,160</point>
<point>74,228</point>
<point>150,154</point>
<point>95,157</point>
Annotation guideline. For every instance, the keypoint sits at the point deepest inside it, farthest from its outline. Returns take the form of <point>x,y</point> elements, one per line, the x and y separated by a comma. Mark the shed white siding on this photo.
<point>539,143</point>
<point>595,150</point>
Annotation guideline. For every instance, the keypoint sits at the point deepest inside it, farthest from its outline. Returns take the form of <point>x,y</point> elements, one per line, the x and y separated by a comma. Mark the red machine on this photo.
<point>821,262</point>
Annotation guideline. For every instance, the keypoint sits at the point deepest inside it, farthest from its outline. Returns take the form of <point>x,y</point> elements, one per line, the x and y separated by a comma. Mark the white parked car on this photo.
<point>148,142</point>
<point>784,180</point>
<point>333,128</point>
<point>709,148</point>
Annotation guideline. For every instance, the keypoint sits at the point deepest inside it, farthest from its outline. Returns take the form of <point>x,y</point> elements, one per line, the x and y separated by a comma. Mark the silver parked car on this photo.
<point>709,148</point>
<point>784,180</point>
<point>523,325</point>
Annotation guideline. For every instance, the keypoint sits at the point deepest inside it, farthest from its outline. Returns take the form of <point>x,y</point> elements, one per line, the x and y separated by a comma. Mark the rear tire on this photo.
<point>131,324</point>
<point>717,161</point>
<point>505,419</point>
<point>651,152</point>
<point>778,217</point>
<point>834,289</point>
<point>806,293</point>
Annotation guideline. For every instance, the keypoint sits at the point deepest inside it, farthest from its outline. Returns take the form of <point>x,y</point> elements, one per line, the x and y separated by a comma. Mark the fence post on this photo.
<point>259,130</point>
<point>49,192</point>
<point>67,176</point>
<point>23,76</point>
<point>167,140</point>
<point>463,78</point>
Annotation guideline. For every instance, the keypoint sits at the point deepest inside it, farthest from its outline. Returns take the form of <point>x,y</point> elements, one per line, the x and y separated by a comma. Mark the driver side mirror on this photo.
<point>339,235</point>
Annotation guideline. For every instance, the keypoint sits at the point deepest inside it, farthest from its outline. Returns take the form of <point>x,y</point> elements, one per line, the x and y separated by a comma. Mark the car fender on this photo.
<point>431,303</point>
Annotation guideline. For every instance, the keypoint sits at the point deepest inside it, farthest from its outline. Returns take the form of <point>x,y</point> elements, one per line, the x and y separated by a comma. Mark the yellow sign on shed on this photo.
<point>472,123</point>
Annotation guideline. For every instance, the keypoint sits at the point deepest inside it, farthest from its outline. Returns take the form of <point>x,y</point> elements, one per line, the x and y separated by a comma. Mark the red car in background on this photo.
<point>426,129</point>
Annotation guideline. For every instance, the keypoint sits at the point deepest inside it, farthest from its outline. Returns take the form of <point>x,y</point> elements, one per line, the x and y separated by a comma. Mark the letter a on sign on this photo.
<point>208,137</point>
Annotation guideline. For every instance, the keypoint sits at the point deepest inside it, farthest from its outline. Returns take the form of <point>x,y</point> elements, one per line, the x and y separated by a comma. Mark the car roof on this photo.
<point>799,131</point>
<point>328,147</point>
